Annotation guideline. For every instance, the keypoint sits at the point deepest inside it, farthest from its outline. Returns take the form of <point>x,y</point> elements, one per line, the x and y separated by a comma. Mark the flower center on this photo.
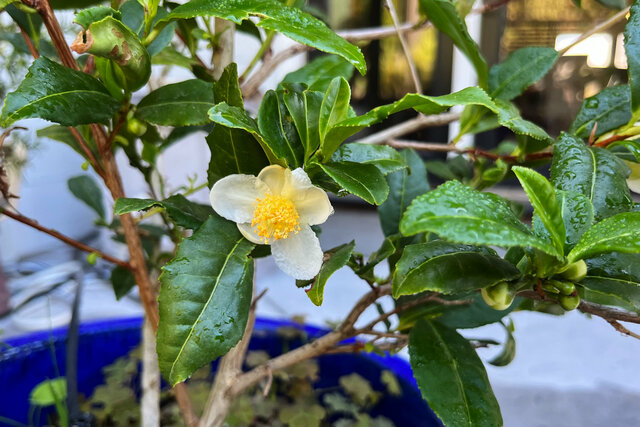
<point>275,218</point>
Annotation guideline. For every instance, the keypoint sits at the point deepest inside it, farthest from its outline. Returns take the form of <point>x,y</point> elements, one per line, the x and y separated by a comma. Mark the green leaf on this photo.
<point>319,73</point>
<point>279,133</point>
<point>184,212</point>
<point>577,215</point>
<point>610,109</point>
<point>334,107</point>
<point>462,215</point>
<point>304,106</point>
<point>49,392</point>
<point>466,316</point>
<point>362,180</point>
<point>451,377</point>
<point>613,279</point>
<point>632,49</point>
<point>125,205</point>
<point>5,3</point>
<point>180,104</point>
<point>520,70</point>
<point>69,97</point>
<point>88,16</point>
<point>404,186</point>
<point>335,259</point>
<point>235,142</point>
<point>619,233</point>
<point>448,268</point>
<point>443,15</point>
<point>204,299</point>
<point>509,117</point>
<point>86,189</point>
<point>290,21</point>
<point>421,103</point>
<point>385,158</point>
<point>508,352</point>
<point>544,202</point>
<point>594,172</point>
<point>122,281</point>
<point>387,249</point>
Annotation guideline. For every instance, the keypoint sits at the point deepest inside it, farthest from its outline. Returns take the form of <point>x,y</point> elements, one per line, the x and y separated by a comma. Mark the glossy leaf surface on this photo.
<point>619,233</point>
<point>290,21</point>
<point>362,180</point>
<point>404,186</point>
<point>520,70</point>
<point>448,268</point>
<point>451,377</point>
<point>56,93</point>
<point>204,299</point>
<point>610,108</point>
<point>180,104</point>
<point>545,204</point>
<point>594,172</point>
<point>459,214</point>
<point>335,259</point>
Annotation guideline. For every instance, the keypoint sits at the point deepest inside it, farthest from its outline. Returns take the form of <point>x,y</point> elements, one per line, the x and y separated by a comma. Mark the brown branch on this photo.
<point>32,48</point>
<point>68,240</point>
<point>405,47</point>
<point>312,349</point>
<point>410,126</point>
<point>229,368</point>
<point>111,177</point>
<point>620,328</point>
<point>606,313</point>
<point>474,152</point>
<point>87,151</point>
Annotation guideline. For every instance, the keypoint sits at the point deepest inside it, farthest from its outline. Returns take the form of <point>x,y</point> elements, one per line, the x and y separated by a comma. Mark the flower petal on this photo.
<point>233,197</point>
<point>312,203</point>
<point>300,255</point>
<point>275,177</point>
<point>247,231</point>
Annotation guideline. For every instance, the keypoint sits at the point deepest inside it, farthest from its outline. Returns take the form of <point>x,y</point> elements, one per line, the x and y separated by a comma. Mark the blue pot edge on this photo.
<point>30,341</point>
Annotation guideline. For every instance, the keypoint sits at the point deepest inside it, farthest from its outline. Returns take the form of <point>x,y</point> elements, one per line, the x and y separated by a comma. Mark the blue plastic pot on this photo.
<point>30,359</point>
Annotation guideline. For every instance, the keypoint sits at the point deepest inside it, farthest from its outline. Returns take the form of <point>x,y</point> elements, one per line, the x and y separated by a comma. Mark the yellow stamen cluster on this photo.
<point>275,218</point>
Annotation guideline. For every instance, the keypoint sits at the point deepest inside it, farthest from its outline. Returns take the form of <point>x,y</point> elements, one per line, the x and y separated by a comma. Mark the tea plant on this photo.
<point>270,172</point>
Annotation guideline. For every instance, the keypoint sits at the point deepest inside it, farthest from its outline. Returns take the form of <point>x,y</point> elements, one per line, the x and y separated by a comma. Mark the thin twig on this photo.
<point>474,152</point>
<point>405,47</point>
<point>620,328</point>
<point>606,313</point>
<point>598,28</point>
<point>68,240</point>
<point>409,126</point>
<point>32,48</point>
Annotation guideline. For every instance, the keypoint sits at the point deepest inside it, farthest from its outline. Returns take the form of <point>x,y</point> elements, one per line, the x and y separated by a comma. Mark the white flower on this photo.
<point>277,208</point>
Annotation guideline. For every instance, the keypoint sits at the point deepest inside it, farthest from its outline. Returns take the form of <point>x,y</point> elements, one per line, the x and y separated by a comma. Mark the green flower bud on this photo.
<point>499,296</point>
<point>92,258</point>
<point>565,288</point>
<point>111,39</point>
<point>569,302</point>
<point>136,127</point>
<point>85,166</point>
<point>575,271</point>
